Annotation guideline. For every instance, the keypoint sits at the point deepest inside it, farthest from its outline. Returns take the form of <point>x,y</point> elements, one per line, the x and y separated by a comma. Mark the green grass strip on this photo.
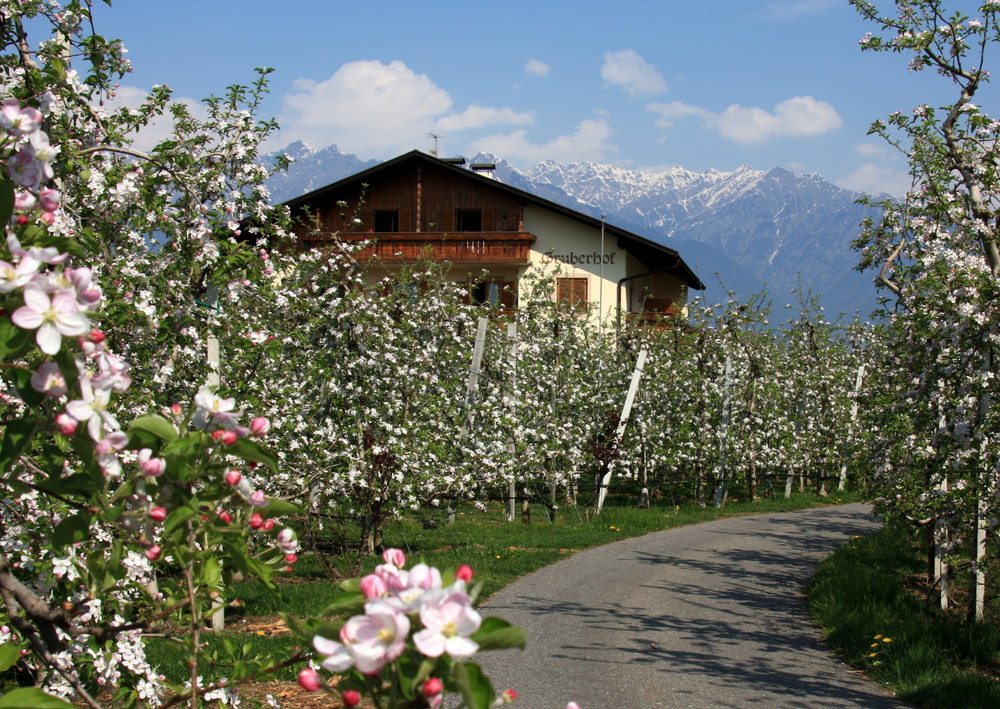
<point>895,635</point>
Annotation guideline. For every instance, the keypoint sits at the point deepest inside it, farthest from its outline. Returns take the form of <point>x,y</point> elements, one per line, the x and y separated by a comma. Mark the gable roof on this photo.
<point>646,250</point>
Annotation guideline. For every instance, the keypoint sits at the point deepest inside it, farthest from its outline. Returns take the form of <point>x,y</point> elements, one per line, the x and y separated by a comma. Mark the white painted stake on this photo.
<point>633,387</point>
<point>470,392</point>
<point>854,417</point>
<point>509,401</point>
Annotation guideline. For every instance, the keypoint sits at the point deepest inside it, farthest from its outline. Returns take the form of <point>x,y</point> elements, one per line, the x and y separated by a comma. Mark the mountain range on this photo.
<point>743,231</point>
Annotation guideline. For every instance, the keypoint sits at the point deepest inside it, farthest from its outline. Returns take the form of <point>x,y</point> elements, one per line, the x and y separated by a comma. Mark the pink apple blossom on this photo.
<point>16,120</point>
<point>92,408</point>
<point>53,317</point>
<point>287,540</point>
<point>13,277</point>
<point>66,424</point>
<point>49,380</point>
<point>448,623</point>
<point>377,637</point>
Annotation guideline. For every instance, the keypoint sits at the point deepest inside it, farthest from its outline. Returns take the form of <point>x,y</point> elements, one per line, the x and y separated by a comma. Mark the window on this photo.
<point>494,293</point>
<point>571,292</point>
<point>386,220</point>
<point>468,220</point>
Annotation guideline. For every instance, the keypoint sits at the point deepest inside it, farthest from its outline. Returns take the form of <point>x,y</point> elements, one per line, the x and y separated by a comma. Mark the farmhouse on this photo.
<point>418,206</point>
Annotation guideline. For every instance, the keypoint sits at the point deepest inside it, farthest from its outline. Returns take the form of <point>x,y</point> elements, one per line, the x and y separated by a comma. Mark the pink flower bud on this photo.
<point>309,680</point>
<point>396,557</point>
<point>157,514</point>
<point>432,686</point>
<point>150,466</point>
<point>233,477</point>
<point>351,698</point>
<point>257,499</point>
<point>291,558</point>
<point>97,337</point>
<point>260,426</point>
<point>256,521</point>
<point>464,573</point>
<point>373,586</point>
<point>175,409</point>
<point>153,553</point>
<point>66,424</point>
<point>48,199</point>
<point>268,525</point>
<point>509,696</point>
<point>572,705</point>
<point>225,517</point>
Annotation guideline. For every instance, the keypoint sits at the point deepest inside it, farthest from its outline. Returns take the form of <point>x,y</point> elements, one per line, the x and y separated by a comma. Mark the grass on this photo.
<point>498,551</point>
<point>881,621</point>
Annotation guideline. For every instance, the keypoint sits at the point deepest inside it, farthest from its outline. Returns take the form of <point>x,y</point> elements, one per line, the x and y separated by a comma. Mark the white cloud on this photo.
<point>159,129</point>
<point>479,116</point>
<point>785,9</point>
<point>673,110</point>
<point>795,117</point>
<point>365,107</point>
<point>537,67</point>
<point>588,142</point>
<point>379,110</point>
<point>875,179</point>
<point>792,118</point>
<point>632,73</point>
<point>870,149</point>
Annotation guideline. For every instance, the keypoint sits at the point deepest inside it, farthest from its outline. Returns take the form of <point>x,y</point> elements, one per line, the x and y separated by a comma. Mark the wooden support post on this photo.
<point>854,418</point>
<point>509,401</point>
<point>470,392</point>
<point>722,480</point>
<point>633,388</point>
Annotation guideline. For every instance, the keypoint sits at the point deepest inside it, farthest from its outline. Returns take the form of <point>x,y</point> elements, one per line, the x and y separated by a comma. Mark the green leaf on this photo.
<point>253,453</point>
<point>157,425</point>
<point>6,200</point>
<point>9,654</point>
<point>72,530</point>
<point>349,602</point>
<point>474,684</point>
<point>329,629</point>
<point>32,698</point>
<point>498,634</point>
<point>16,437</point>
<point>14,342</point>
<point>279,508</point>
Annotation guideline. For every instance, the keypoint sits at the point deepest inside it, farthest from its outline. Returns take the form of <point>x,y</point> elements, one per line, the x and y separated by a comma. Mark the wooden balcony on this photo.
<point>656,312</point>
<point>486,248</point>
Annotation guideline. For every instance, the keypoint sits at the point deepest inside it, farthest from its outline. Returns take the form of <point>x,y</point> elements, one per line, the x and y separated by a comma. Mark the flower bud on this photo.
<point>268,525</point>
<point>260,426</point>
<point>351,698</point>
<point>233,478</point>
<point>291,558</point>
<point>256,521</point>
<point>66,424</point>
<point>509,696</point>
<point>157,514</point>
<point>309,680</point>
<point>432,686</point>
<point>373,586</point>
<point>225,517</point>
<point>153,553</point>
<point>464,573</point>
<point>396,557</point>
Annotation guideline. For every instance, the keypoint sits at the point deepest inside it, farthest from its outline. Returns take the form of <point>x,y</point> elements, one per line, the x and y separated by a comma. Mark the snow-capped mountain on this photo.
<point>744,230</point>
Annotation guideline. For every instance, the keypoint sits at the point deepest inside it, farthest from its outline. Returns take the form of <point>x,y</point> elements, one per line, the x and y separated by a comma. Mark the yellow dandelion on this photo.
<point>874,644</point>
<point>498,556</point>
<point>878,637</point>
<point>261,632</point>
<point>887,640</point>
<point>873,654</point>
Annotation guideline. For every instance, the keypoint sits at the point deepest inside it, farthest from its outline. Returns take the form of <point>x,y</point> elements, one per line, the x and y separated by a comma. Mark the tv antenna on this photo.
<point>435,151</point>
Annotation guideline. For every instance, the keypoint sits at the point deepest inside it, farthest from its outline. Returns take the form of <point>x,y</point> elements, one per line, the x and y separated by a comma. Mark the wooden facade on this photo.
<point>418,207</point>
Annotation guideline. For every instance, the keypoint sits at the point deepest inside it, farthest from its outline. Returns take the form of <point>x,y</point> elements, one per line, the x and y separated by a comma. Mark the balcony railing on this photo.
<point>455,247</point>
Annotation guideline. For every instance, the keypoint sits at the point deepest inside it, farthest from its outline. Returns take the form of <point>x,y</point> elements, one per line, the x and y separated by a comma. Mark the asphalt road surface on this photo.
<point>706,616</point>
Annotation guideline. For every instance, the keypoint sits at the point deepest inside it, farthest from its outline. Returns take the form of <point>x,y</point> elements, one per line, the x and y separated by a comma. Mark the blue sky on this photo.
<point>642,84</point>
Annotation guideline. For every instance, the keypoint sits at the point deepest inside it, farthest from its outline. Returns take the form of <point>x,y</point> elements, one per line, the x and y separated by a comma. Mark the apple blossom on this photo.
<point>49,380</point>
<point>53,318</point>
<point>448,623</point>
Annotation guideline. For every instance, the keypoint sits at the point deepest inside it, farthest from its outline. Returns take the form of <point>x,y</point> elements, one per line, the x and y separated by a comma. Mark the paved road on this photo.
<point>705,616</point>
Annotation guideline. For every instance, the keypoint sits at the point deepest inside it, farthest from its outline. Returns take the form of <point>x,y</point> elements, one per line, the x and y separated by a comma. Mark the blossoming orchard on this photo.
<point>184,395</point>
